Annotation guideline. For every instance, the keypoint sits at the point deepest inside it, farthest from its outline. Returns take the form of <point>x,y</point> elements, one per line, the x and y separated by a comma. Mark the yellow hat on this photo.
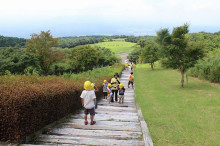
<point>121,85</point>
<point>105,81</point>
<point>109,85</point>
<point>92,86</point>
<point>87,85</point>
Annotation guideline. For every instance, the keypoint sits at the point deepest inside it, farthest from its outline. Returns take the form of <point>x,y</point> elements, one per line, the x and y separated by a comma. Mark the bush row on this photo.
<point>208,68</point>
<point>28,103</point>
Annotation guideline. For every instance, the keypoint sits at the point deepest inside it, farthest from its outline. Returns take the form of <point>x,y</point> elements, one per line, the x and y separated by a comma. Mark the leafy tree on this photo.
<point>134,55</point>
<point>149,54</point>
<point>178,52</point>
<point>106,57</point>
<point>41,47</point>
<point>15,60</point>
<point>83,58</point>
<point>141,43</point>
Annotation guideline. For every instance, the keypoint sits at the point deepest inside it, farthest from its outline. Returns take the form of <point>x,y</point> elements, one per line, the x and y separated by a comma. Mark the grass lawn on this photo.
<point>117,45</point>
<point>175,115</point>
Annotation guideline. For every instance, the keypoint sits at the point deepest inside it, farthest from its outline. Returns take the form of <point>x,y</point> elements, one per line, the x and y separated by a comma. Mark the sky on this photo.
<point>21,18</point>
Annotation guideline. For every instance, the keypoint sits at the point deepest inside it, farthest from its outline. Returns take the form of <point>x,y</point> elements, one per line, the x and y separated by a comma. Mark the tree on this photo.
<point>149,54</point>
<point>41,46</point>
<point>134,55</point>
<point>142,43</point>
<point>15,60</point>
<point>83,58</point>
<point>178,52</point>
<point>106,57</point>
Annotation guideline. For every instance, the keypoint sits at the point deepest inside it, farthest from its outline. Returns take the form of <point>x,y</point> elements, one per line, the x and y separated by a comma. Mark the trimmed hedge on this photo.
<point>28,103</point>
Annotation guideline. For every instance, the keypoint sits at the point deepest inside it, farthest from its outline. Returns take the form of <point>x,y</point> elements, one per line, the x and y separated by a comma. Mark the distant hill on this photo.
<point>12,42</point>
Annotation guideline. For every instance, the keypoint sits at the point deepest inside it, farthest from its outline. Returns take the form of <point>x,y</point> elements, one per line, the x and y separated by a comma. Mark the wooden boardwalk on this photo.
<point>117,124</point>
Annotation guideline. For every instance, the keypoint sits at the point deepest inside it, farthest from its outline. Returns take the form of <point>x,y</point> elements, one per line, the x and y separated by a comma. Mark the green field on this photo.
<point>175,115</point>
<point>117,45</point>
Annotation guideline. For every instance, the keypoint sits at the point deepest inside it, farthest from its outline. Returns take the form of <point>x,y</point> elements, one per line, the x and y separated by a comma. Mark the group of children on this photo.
<point>88,97</point>
<point>108,94</point>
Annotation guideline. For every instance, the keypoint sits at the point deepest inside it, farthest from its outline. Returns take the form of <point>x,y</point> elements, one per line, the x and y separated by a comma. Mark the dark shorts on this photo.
<point>89,111</point>
<point>130,82</point>
<point>105,93</point>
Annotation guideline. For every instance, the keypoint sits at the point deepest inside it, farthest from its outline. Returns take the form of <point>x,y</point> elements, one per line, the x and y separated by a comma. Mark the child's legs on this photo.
<point>122,98</point>
<point>92,113</point>
<point>109,98</point>
<point>106,95</point>
<point>85,117</point>
<point>86,112</point>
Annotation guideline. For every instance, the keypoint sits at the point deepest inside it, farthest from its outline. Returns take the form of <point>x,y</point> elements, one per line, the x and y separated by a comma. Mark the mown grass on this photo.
<point>175,115</point>
<point>117,45</point>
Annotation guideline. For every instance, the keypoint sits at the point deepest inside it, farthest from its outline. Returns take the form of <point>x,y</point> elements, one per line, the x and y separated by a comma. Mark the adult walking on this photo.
<point>132,65</point>
<point>115,83</point>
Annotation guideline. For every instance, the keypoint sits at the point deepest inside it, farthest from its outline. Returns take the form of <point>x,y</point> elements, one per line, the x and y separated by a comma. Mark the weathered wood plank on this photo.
<point>96,133</point>
<point>103,117</point>
<point>110,123</point>
<point>103,127</point>
<point>146,135</point>
<point>54,139</point>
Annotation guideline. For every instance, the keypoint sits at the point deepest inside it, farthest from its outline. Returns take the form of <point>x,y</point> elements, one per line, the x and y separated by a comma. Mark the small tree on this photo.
<point>83,58</point>
<point>40,46</point>
<point>178,52</point>
<point>149,54</point>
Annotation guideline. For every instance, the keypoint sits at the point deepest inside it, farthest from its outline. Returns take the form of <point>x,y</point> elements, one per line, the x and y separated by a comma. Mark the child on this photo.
<point>105,84</point>
<point>95,89</point>
<point>121,93</point>
<point>109,91</point>
<point>131,80</point>
<point>88,102</point>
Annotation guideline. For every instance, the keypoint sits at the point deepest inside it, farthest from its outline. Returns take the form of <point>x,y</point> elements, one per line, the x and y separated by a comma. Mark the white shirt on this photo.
<point>88,97</point>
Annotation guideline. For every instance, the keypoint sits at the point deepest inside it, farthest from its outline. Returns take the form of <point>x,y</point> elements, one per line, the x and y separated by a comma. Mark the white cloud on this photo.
<point>149,13</point>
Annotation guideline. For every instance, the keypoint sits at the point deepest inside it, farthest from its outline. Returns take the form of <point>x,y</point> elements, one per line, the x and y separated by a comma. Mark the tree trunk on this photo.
<point>152,66</point>
<point>182,79</point>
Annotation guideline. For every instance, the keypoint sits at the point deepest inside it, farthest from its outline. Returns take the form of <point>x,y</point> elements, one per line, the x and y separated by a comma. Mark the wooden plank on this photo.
<point>96,133</point>
<point>110,123</point>
<point>54,139</point>
<point>146,135</point>
<point>102,127</point>
<point>103,117</point>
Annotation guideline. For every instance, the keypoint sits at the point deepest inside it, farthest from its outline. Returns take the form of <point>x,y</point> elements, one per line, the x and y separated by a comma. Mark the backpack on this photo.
<point>130,78</point>
<point>121,92</point>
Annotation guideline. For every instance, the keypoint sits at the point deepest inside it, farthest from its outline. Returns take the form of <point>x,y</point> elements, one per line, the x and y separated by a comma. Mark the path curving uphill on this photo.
<point>117,124</point>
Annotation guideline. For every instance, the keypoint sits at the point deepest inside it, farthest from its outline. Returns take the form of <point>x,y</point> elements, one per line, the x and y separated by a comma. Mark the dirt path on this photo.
<point>123,56</point>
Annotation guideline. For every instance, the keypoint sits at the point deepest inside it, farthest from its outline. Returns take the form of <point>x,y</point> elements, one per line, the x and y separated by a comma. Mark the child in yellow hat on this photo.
<point>105,85</point>
<point>88,98</point>
<point>121,93</point>
<point>109,92</point>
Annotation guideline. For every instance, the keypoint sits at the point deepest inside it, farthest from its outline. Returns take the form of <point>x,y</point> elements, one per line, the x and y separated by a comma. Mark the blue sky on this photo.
<point>21,18</point>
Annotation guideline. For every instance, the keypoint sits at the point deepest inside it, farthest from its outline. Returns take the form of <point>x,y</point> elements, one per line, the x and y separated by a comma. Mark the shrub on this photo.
<point>28,103</point>
<point>208,68</point>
